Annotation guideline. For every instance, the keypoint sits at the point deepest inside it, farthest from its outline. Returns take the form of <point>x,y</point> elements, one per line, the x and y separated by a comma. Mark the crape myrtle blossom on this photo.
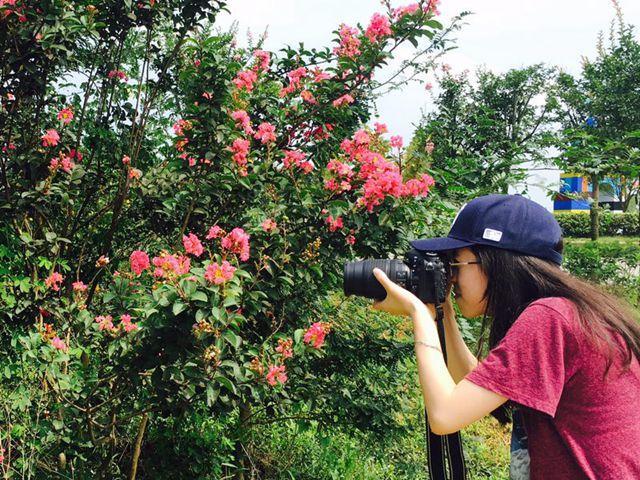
<point>334,223</point>
<point>105,322</point>
<point>345,99</point>
<point>263,59</point>
<point>269,225</point>
<point>410,9</point>
<point>58,344</point>
<point>139,261</point>
<point>170,265</point>
<point>245,80</point>
<point>53,281</point>
<point>298,159</point>
<point>50,138</point>
<point>396,141</point>
<point>79,286</point>
<point>285,347</point>
<point>349,42</point>
<point>65,115</point>
<point>277,374</point>
<point>240,150</point>
<point>237,242</point>
<point>127,324</point>
<point>316,333</point>
<point>242,119</point>
<point>219,273</point>
<point>118,74</point>
<point>192,244</point>
<point>63,162</point>
<point>378,27</point>
<point>266,133</point>
<point>215,232</point>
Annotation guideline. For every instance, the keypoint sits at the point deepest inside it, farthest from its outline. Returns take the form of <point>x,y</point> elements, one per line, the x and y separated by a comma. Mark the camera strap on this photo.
<point>444,450</point>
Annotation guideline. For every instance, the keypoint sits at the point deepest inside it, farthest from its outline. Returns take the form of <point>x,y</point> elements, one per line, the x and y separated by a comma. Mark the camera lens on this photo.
<point>359,279</point>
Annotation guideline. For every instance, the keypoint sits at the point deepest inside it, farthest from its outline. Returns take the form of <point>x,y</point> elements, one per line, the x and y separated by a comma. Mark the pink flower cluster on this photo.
<point>54,281</point>
<point>285,348</point>
<point>168,265</point>
<point>294,158</point>
<point>192,244</point>
<point>105,322</point>
<point>65,115</point>
<point>266,133</point>
<point>219,274</point>
<point>400,12</point>
<point>396,141</point>
<point>50,138</point>
<point>378,27</point>
<point>418,187</point>
<point>215,232</point>
<point>242,119</point>
<point>240,150</point>
<point>119,74</point>
<point>349,42</point>
<point>345,99</point>
<point>127,324</point>
<point>263,59</point>
<point>295,79</point>
<point>316,333</point>
<point>59,344</point>
<point>180,126</point>
<point>62,161</point>
<point>277,374</point>
<point>245,80</point>
<point>269,225</point>
<point>237,242</point>
<point>79,286</point>
<point>139,261</point>
<point>334,223</point>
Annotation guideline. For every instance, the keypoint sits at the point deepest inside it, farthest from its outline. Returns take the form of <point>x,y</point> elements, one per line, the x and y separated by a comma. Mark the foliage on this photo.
<point>493,126</point>
<point>119,315</point>
<point>578,225</point>
<point>613,264</point>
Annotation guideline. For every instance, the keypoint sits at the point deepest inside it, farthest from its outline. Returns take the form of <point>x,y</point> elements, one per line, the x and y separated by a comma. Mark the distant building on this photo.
<point>576,193</point>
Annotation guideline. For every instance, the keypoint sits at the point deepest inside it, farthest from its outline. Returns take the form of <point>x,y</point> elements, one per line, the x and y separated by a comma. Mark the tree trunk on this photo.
<point>241,457</point>
<point>595,209</point>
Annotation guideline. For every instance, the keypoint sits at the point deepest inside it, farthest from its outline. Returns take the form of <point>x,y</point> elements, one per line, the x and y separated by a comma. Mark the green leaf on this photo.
<point>199,296</point>
<point>233,339</point>
<point>178,307</point>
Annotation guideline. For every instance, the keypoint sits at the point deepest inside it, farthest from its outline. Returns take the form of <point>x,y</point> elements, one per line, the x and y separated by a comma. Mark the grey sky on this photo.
<point>501,34</point>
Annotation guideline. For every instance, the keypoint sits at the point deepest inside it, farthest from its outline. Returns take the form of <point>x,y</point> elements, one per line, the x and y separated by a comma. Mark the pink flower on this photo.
<point>245,79</point>
<point>319,75</point>
<point>192,244</point>
<point>293,158</point>
<point>63,162</point>
<point>361,137</point>
<point>350,239</point>
<point>277,374</point>
<point>265,133</point>
<point>134,173</point>
<point>428,86</point>
<point>343,100</point>
<point>349,42</point>
<point>269,225</point>
<point>58,344</point>
<point>139,261</point>
<point>418,187</point>
<point>197,63</point>
<point>339,168</point>
<point>219,274</point>
<point>50,138</point>
<point>262,60</point>
<point>65,115</point>
<point>126,323</point>
<point>308,97</point>
<point>380,128</point>
<point>316,333</point>
<point>285,347</point>
<point>237,242</point>
<point>53,281</point>
<point>396,141</point>
<point>119,74</point>
<point>431,7</point>
<point>242,118</point>
<point>334,223</point>
<point>215,232</point>
<point>126,160</point>
<point>180,126</point>
<point>428,147</point>
<point>378,27</point>
<point>105,322</point>
<point>400,12</point>
<point>170,265</point>
<point>240,149</point>
<point>79,286</point>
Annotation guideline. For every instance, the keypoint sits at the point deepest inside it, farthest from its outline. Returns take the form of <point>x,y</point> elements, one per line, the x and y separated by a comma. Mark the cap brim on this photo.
<point>439,244</point>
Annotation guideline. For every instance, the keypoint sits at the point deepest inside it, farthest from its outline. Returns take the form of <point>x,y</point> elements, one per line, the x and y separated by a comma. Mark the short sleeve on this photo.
<point>534,360</point>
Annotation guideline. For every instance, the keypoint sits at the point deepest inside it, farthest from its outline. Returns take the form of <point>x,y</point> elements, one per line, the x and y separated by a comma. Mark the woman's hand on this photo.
<point>398,301</point>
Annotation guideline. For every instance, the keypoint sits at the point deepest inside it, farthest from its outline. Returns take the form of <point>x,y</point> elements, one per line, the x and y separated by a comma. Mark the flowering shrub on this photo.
<point>154,270</point>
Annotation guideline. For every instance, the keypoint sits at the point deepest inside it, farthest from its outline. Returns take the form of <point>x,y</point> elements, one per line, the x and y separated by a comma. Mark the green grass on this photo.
<point>606,240</point>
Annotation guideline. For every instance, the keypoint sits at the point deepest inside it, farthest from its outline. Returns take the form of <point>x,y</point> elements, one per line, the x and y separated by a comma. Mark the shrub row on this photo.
<point>578,224</point>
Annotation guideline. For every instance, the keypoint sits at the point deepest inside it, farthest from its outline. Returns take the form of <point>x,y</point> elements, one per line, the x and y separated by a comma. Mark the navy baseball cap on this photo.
<point>509,222</point>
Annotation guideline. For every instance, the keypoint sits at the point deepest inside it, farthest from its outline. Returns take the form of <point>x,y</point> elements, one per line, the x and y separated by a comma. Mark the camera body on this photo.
<point>425,274</point>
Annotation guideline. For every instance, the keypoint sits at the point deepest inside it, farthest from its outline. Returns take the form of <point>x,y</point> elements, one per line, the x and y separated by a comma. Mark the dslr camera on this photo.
<point>425,274</point>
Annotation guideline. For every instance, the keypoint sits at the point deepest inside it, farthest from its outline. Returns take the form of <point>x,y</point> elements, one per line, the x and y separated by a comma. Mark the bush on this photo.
<point>614,265</point>
<point>579,224</point>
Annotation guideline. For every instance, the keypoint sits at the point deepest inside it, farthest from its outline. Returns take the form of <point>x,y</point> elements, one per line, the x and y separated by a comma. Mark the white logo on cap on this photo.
<point>493,235</point>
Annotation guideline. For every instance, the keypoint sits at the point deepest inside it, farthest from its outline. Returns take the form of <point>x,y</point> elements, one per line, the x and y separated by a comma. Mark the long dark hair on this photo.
<point>515,280</point>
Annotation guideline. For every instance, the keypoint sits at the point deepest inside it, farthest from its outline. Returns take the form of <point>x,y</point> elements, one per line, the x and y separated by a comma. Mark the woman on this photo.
<point>563,352</point>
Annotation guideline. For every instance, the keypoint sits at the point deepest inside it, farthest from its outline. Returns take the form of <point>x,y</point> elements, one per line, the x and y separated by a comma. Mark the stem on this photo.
<point>136,450</point>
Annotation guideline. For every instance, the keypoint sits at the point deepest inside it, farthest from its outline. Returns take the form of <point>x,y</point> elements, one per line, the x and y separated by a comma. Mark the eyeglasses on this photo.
<point>454,266</point>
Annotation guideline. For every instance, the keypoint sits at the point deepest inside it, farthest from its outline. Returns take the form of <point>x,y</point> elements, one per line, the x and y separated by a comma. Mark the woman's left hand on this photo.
<point>398,301</point>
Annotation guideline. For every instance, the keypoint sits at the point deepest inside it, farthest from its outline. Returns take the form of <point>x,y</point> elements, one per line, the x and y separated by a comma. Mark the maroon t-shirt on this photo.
<point>578,425</point>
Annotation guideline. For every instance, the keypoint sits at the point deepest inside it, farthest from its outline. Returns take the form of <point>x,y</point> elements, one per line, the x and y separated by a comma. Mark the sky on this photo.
<point>499,35</point>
